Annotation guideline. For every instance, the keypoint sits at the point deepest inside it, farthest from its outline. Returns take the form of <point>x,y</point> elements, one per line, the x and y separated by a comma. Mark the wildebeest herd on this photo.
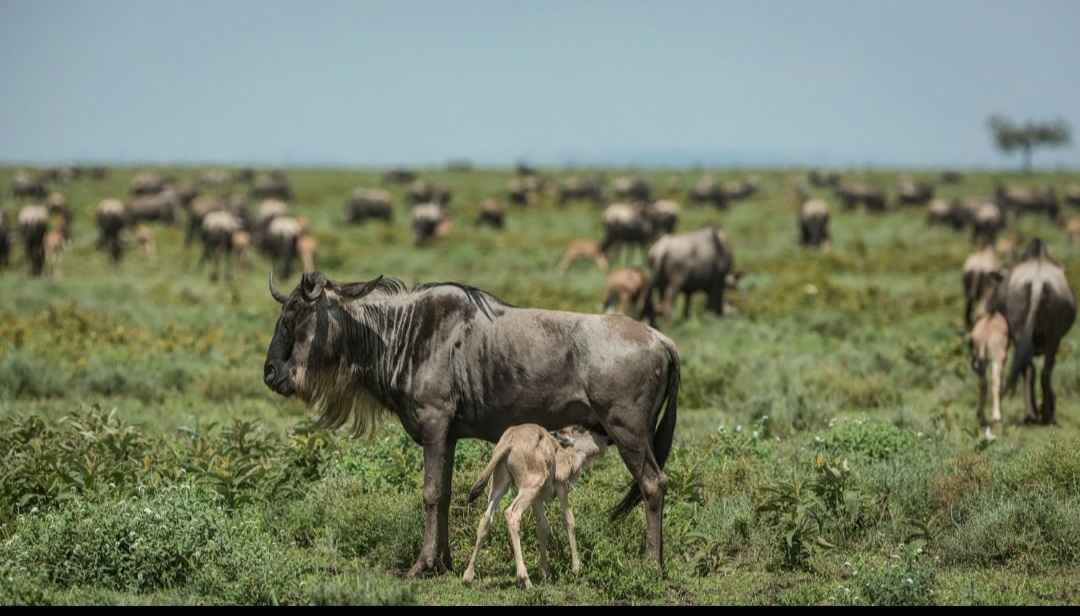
<point>451,361</point>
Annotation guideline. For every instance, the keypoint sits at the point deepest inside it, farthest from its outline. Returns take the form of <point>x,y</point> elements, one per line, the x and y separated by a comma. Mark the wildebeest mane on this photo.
<point>477,297</point>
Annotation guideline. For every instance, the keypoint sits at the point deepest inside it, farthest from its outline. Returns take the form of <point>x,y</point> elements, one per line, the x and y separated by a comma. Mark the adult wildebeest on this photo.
<point>625,226</point>
<point>852,194</point>
<point>5,238</point>
<point>369,204</point>
<point>280,243</point>
<point>421,191</point>
<point>1040,307</point>
<point>399,175</point>
<point>1024,200</point>
<point>814,223</point>
<point>452,362</point>
<point>1072,195</point>
<point>980,271</point>
<point>218,228</point>
<point>663,215</point>
<point>159,207</point>
<point>911,192</point>
<point>579,189</point>
<point>688,263</point>
<point>987,221</point>
<point>632,189</point>
<point>820,179</point>
<point>427,218</point>
<point>708,190</point>
<point>199,209</point>
<point>273,185</point>
<point>111,219</point>
<point>26,186</point>
<point>492,214</point>
<point>147,183</point>
<point>33,224</point>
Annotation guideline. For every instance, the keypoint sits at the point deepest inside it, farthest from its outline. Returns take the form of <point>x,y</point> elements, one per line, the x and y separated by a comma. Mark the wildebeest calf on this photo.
<point>583,249</point>
<point>626,288</point>
<point>541,464</point>
<point>989,345</point>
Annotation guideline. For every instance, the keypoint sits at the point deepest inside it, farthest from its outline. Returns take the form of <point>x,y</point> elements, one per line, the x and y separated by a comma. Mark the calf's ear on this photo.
<point>356,290</point>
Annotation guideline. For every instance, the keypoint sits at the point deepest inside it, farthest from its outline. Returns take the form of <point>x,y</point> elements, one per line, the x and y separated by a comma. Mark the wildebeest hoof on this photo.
<point>524,583</point>
<point>426,567</point>
<point>1030,420</point>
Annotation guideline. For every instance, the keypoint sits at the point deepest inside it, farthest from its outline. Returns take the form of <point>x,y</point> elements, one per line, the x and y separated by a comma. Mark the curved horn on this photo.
<point>281,299</point>
<point>313,285</point>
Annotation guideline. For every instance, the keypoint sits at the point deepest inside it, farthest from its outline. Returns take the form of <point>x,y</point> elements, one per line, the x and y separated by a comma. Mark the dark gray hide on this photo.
<point>452,362</point>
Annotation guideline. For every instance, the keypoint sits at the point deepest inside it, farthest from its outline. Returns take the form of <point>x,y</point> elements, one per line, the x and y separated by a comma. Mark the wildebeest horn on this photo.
<point>313,284</point>
<point>281,299</point>
<point>357,290</point>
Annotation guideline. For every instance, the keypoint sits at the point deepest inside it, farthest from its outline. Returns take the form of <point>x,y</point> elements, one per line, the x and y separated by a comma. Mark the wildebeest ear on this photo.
<point>357,290</point>
<point>313,285</point>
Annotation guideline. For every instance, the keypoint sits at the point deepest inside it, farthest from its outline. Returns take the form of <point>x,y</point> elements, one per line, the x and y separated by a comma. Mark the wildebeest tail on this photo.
<point>662,436</point>
<point>1025,344</point>
<point>497,456</point>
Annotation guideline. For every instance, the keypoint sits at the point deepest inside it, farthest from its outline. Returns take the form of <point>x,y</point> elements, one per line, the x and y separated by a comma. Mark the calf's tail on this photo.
<point>501,451</point>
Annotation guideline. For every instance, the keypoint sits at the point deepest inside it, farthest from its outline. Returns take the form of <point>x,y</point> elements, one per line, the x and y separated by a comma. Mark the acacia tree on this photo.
<point>1010,136</point>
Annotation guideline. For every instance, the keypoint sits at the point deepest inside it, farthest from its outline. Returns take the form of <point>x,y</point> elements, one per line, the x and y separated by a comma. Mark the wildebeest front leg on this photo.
<point>438,466</point>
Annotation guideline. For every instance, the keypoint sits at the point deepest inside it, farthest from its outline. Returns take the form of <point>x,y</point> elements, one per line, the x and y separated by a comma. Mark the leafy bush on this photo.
<point>867,437</point>
<point>907,579</point>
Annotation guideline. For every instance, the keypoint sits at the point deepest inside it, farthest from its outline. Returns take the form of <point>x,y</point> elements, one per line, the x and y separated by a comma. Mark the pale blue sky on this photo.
<point>559,81</point>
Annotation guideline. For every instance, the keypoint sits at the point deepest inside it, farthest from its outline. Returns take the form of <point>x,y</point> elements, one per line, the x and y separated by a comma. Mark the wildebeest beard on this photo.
<point>344,362</point>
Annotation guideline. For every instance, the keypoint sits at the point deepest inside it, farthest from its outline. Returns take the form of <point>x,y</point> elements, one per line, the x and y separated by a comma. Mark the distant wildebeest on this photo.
<point>5,238</point>
<point>218,228</point>
<point>25,186</point>
<point>980,269</point>
<point>955,213</point>
<point>632,188</point>
<point>244,175</point>
<point>160,207</point>
<point>492,214</point>
<point>1021,200</point>
<point>452,362</point>
<point>625,226</point>
<point>280,243</point>
<point>739,189</point>
<point>111,216</point>
<point>853,194</point>
<point>369,204</point>
<point>524,169</point>
<point>1072,195</point>
<point>273,185</point>
<point>988,341</point>
<point>1040,307</point>
<point>579,189</point>
<point>625,291</point>
<point>426,220</point>
<point>1071,225</point>
<point>663,215</point>
<point>814,223</point>
<point>911,192</point>
<point>583,249</point>
<point>523,190</point>
<point>541,465</point>
<point>987,221</point>
<point>98,173</point>
<point>422,191</point>
<point>267,211</point>
<point>197,211</point>
<point>687,263</point>
<point>147,183</point>
<point>33,224</point>
<point>214,178</point>
<point>53,246</point>
<point>951,177</point>
<point>820,179</point>
<point>399,175</point>
<point>709,191</point>
<point>58,207</point>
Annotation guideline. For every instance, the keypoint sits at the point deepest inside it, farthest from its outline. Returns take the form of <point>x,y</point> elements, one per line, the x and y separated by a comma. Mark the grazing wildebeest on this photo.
<point>199,209</point>
<point>583,249</point>
<point>989,345</point>
<point>625,226</point>
<point>218,228</point>
<point>633,189</point>
<point>159,207</point>
<point>687,263</point>
<point>491,214</point>
<point>987,221</point>
<point>541,464</point>
<point>852,194</point>
<point>814,223</point>
<point>421,192</point>
<point>426,219</point>
<point>273,185</point>
<point>1023,200</point>
<point>1040,307</point>
<point>980,270</point>
<point>452,362</point>
<point>5,238</point>
<point>111,218</point>
<point>280,243</point>
<point>663,215</point>
<point>579,189</point>
<point>26,186</point>
<point>707,190</point>
<point>369,204</point>
<point>911,192</point>
<point>625,289</point>
<point>148,183</point>
<point>518,191</point>
<point>399,175</point>
<point>1072,195</point>
<point>819,179</point>
<point>33,224</point>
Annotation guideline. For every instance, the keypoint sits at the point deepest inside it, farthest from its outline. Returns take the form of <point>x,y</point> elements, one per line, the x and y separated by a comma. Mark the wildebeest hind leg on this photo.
<point>1029,395</point>
<point>634,447</point>
<point>1048,399</point>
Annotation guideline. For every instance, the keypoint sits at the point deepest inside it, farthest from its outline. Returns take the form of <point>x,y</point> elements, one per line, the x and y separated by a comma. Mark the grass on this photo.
<point>826,452</point>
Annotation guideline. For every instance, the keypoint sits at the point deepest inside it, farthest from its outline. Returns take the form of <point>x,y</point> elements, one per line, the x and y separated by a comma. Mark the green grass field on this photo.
<point>826,450</point>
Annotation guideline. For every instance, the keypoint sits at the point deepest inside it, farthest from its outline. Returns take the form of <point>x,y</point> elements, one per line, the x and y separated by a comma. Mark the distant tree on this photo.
<point>1009,136</point>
